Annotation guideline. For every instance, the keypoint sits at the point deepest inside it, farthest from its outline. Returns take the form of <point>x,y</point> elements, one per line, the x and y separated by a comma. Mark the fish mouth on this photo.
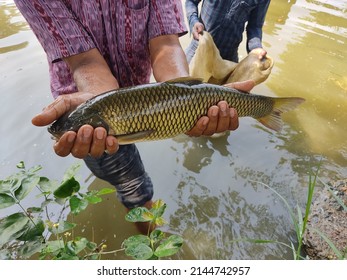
<point>55,135</point>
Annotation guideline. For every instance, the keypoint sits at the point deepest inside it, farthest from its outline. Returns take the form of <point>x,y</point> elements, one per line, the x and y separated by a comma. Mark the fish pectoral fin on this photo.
<point>186,81</point>
<point>133,137</point>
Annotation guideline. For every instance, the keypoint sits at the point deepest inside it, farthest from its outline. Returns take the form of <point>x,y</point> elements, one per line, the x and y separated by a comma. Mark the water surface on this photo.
<point>214,188</point>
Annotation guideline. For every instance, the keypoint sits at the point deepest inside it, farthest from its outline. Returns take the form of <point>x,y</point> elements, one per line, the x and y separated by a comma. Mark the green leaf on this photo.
<point>46,202</point>
<point>104,191</point>
<point>21,165</point>
<point>139,214</point>
<point>136,240</point>
<point>160,221</point>
<point>92,246</point>
<point>53,246</point>
<point>26,186</point>
<point>158,209</point>
<point>158,204</point>
<point>11,184</point>
<point>30,248</point>
<point>32,231</point>
<point>77,245</point>
<point>77,205</point>
<point>148,216</point>
<point>156,235</point>
<point>137,246</point>
<point>72,171</point>
<point>34,169</point>
<point>169,246</point>
<point>65,256</point>
<point>34,210</point>
<point>6,201</point>
<point>12,227</point>
<point>5,254</point>
<point>93,199</point>
<point>47,185</point>
<point>139,252</point>
<point>67,188</point>
<point>63,226</point>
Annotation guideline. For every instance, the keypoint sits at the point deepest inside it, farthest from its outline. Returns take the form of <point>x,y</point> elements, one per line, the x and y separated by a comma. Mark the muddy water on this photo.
<point>214,188</point>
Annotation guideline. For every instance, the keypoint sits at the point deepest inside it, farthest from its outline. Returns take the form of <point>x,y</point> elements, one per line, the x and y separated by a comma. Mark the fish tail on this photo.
<point>281,105</point>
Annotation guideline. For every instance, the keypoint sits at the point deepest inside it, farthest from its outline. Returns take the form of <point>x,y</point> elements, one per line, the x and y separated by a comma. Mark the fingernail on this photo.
<point>100,134</point>
<point>205,122</point>
<point>232,113</point>
<point>86,133</point>
<point>223,109</point>
<point>109,142</point>
<point>214,112</point>
<point>71,138</point>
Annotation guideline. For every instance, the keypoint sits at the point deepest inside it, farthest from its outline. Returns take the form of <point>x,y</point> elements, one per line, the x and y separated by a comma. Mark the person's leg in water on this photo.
<point>126,172</point>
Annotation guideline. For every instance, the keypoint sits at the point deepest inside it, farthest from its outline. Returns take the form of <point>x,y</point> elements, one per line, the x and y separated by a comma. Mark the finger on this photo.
<point>196,34</point>
<point>98,144</point>
<point>224,117</point>
<point>199,127</point>
<point>112,145</point>
<point>262,54</point>
<point>83,142</point>
<point>234,119</point>
<point>200,28</point>
<point>64,145</point>
<point>245,86</point>
<point>212,114</point>
<point>53,111</point>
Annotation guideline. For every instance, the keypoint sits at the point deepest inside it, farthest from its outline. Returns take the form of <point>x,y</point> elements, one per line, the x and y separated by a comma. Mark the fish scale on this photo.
<point>164,110</point>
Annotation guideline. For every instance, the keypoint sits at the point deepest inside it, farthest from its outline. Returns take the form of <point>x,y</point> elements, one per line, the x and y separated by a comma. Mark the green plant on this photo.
<point>32,232</point>
<point>155,244</point>
<point>300,221</point>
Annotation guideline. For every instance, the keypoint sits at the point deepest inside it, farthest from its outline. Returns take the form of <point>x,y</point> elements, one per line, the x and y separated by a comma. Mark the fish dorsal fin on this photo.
<point>133,137</point>
<point>187,81</point>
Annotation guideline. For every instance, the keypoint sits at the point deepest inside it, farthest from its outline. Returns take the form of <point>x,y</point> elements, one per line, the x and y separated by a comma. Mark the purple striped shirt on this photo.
<point>119,29</point>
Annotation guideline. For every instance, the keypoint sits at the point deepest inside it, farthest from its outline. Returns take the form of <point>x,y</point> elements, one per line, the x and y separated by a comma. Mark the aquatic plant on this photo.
<point>300,222</point>
<point>33,233</point>
<point>155,245</point>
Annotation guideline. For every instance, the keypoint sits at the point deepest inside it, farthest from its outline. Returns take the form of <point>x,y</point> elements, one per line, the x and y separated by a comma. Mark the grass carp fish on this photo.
<point>163,110</point>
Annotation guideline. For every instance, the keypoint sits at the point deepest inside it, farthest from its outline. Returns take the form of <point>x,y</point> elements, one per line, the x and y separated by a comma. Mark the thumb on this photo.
<point>52,112</point>
<point>246,86</point>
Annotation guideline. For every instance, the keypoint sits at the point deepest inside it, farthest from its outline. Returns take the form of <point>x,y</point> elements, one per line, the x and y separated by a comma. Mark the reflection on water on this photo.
<point>316,71</point>
<point>11,24</point>
<point>214,187</point>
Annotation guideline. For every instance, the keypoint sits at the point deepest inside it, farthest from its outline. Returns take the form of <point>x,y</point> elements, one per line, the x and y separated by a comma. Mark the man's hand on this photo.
<point>198,28</point>
<point>220,117</point>
<point>260,52</point>
<point>87,140</point>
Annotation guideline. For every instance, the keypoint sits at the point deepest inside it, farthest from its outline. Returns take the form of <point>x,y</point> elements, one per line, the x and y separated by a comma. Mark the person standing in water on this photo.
<point>225,20</point>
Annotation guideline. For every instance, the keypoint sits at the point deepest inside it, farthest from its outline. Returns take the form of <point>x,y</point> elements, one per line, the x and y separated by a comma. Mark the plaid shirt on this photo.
<point>225,20</point>
<point>120,30</point>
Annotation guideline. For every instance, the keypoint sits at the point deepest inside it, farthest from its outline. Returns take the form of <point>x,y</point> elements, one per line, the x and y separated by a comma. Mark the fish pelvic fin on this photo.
<point>281,105</point>
<point>125,139</point>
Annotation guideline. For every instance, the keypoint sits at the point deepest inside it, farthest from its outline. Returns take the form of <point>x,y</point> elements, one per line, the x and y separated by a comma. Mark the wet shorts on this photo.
<point>126,172</point>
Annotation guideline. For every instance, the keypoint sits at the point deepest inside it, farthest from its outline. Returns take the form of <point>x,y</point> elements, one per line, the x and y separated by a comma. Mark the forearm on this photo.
<point>168,59</point>
<point>255,26</point>
<point>91,72</point>
<point>192,12</point>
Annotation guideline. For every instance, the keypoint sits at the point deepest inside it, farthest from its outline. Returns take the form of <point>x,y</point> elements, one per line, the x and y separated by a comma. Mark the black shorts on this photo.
<point>126,172</point>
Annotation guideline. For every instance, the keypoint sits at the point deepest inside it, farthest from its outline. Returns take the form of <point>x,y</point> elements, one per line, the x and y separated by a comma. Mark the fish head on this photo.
<point>73,122</point>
